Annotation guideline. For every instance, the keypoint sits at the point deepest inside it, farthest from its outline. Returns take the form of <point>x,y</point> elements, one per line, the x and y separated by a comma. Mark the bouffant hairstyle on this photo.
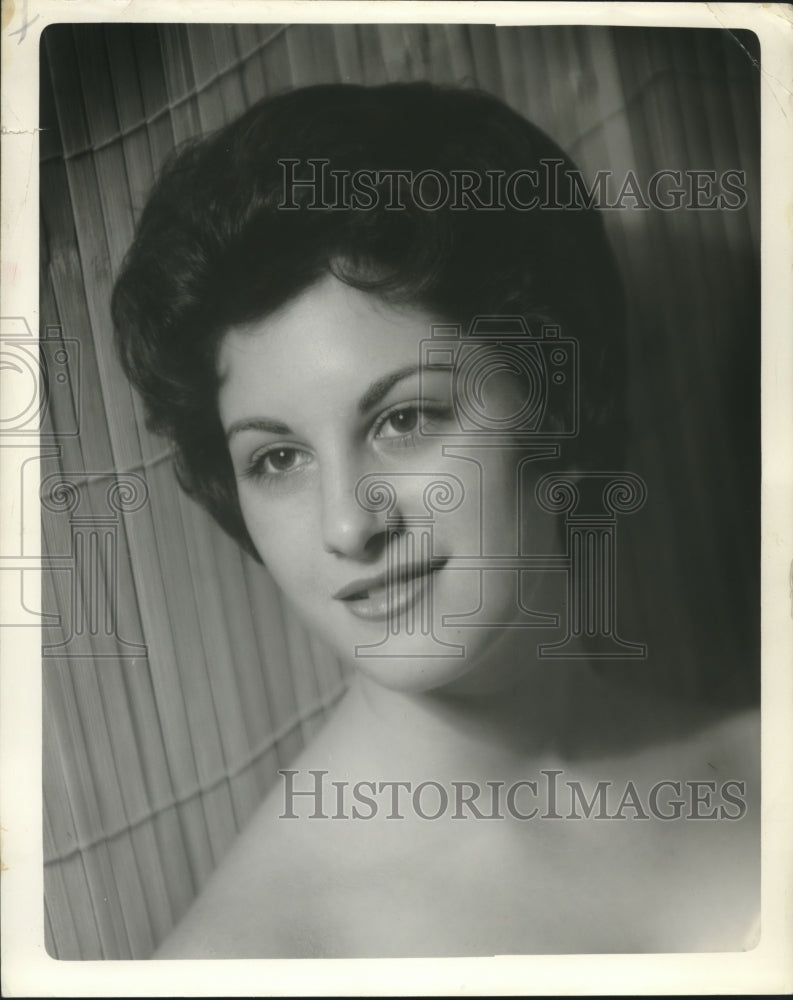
<point>215,247</point>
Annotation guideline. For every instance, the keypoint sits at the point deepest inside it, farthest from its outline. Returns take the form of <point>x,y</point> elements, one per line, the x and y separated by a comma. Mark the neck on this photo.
<point>462,733</point>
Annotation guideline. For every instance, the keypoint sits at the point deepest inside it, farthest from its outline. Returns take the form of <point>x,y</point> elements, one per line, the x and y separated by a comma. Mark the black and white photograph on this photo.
<point>398,454</point>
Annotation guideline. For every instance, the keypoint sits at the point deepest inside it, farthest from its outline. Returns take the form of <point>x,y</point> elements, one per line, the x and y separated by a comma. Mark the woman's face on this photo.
<point>320,395</point>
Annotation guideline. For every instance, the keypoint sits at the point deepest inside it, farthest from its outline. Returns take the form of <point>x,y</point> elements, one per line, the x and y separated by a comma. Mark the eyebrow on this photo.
<point>257,424</point>
<point>371,397</point>
<point>377,390</point>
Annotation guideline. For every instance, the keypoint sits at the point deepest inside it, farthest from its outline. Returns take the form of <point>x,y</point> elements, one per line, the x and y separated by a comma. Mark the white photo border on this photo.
<point>27,969</point>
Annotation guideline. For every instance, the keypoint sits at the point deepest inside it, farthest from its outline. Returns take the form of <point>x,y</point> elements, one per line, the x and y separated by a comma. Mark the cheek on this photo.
<point>282,533</point>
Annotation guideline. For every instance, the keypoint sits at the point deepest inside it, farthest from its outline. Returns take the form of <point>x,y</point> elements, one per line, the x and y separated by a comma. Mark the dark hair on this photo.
<point>213,249</point>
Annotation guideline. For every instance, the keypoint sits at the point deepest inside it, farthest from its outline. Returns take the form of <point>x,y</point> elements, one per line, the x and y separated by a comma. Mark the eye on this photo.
<point>277,461</point>
<point>399,422</point>
<point>411,424</point>
<point>281,459</point>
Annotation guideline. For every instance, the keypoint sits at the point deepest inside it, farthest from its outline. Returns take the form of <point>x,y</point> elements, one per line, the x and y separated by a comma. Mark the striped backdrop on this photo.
<point>179,682</point>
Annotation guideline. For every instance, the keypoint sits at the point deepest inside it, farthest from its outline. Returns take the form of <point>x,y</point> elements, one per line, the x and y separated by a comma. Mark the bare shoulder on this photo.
<point>636,724</point>
<point>687,780</point>
<point>711,775</point>
<point>258,902</point>
<point>726,745</point>
<point>722,761</point>
<point>267,897</point>
<point>736,736</point>
<point>710,753</point>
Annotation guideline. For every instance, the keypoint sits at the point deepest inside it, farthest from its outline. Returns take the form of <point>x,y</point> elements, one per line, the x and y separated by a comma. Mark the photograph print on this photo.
<point>400,489</point>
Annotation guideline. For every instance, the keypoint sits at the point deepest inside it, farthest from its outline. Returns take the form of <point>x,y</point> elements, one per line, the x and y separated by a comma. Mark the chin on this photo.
<point>413,674</point>
<point>424,665</point>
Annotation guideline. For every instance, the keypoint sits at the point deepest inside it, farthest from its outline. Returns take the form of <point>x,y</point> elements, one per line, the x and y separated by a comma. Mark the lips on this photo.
<point>389,595</point>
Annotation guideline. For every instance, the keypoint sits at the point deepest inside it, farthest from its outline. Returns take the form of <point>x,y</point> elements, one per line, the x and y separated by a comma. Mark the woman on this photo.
<point>343,309</point>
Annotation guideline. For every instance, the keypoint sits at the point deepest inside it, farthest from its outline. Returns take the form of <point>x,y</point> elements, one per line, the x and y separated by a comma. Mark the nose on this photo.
<point>347,528</point>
